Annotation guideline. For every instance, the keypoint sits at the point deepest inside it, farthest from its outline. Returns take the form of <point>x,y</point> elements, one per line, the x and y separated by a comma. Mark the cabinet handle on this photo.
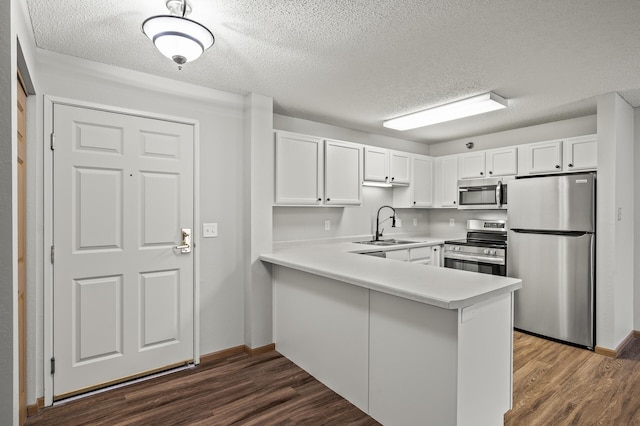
<point>454,202</point>
<point>557,166</point>
<point>490,172</point>
<point>328,199</point>
<point>570,165</point>
<point>386,178</point>
<point>392,178</point>
<point>481,173</point>
<point>414,202</point>
<point>319,199</point>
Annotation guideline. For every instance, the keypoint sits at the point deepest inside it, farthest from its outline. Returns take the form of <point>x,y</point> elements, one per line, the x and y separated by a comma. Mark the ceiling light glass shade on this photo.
<point>459,109</point>
<point>179,39</point>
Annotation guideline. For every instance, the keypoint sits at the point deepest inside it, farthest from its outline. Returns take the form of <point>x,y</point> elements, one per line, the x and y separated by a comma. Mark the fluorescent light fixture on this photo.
<point>459,109</point>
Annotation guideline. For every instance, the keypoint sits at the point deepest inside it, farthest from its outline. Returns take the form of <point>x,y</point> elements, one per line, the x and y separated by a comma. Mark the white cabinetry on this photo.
<point>491,163</point>
<point>429,255</point>
<point>471,165</point>
<point>299,172</point>
<point>580,153</point>
<point>311,171</point>
<point>419,193</point>
<point>502,162</point>
<point>568,155</point>
<point>343,173</point>
<point>399,167</point>
<point>446,181</point>
<point>386,166</point>
<point>376,164</point>
<point>541,157</point>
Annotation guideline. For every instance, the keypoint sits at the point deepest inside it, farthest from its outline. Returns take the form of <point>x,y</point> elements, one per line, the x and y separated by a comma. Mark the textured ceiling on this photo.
<point>355,63</point>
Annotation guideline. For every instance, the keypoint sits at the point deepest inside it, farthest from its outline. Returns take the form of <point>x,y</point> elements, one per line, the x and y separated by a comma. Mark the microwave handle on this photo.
<point>499,194</point>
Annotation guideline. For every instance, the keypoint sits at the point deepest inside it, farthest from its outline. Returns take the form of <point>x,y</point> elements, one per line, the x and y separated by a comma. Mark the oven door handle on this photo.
<point>478,259</point>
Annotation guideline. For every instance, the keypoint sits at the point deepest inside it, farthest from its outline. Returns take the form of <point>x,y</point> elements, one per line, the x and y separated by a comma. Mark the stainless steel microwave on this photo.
<point>482,194</point>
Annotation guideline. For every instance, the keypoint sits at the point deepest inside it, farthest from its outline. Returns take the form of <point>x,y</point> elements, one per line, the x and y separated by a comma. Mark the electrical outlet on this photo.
<point>398,223</point>
<point>415,221</point>
<point>327,225</point>
<point>209,230</point>
<point>452,222</point>
<point>619,214</point>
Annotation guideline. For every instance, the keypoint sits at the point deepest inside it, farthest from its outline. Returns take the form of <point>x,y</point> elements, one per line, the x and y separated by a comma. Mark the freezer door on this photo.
<point>557,294</point>
<point>554,203</point>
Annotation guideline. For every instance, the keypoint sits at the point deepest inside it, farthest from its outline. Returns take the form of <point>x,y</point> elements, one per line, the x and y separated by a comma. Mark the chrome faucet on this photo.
<point>393,222</point>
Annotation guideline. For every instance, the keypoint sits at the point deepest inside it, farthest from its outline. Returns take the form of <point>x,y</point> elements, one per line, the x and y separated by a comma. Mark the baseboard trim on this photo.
<point>261,350</point>
<point>34,409</point>
<point>225,353</point>
<point>613,353</point>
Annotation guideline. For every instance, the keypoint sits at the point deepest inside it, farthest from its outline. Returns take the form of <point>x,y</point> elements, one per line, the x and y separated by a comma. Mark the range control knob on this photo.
<point>486,251</point>
<point>457,248</point>
<point>492,252</point>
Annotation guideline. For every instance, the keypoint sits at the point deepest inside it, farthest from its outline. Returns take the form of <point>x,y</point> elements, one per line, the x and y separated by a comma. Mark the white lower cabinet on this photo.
<point>403,362</point>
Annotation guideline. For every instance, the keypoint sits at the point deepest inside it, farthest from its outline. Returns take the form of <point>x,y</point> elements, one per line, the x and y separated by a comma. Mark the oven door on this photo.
<point>468,263</point>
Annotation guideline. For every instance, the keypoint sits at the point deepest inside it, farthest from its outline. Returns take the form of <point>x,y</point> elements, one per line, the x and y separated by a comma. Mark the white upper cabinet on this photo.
<point>399,168</point>
<point>299,171</point>
<point>419,193</point>
<point>446,181</point>
<point>471,165</point>
<point>422,181</point>
<point>580,153</point>
<point>491,163</point>
<point>314,172</point>
<point>343,173</point>
<point>502,162</point>
<point>376,164</point>
<point>541,157</point>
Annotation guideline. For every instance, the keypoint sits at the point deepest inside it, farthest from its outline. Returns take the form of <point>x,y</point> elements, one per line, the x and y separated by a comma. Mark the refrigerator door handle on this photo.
<point>499,194</point>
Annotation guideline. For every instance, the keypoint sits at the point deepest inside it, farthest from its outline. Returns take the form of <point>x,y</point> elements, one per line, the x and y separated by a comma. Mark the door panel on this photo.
<point>123,295</point>
<point>557,294</point>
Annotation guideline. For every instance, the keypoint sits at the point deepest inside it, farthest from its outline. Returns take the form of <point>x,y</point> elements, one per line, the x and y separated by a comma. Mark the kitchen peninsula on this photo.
<point>406,343</point>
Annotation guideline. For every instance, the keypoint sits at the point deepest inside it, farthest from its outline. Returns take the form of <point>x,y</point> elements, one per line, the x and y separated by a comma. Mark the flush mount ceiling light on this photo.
<point>176,37</point>
<point>459,109</point>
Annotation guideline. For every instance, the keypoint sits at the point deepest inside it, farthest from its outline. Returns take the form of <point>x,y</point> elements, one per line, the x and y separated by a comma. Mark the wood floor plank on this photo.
<point>554,384</point>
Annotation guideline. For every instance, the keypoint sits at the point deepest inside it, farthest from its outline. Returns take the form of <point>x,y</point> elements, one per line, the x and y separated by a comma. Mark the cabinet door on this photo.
<point>400,167</point>
<point>398,255</point>
<point>342,173</point>
<point>581,153</point>
<point>471,165</point>
<point>376,164</point>
<point>299,174</point>
<point>422,182</point>
<point>447,181</point>
<point>502,162</point>
<point>544,157</point>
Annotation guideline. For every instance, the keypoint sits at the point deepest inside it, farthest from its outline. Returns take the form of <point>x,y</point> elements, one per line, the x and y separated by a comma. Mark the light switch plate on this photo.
<point>415,221</point>
<point>209,230</point>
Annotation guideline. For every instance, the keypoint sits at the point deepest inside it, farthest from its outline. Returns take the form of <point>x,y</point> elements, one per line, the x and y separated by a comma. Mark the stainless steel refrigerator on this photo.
<point>551,247</point>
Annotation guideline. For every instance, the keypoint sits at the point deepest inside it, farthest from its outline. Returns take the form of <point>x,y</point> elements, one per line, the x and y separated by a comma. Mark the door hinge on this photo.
<point>53,141</point>
<point>53,365</point>
<point>53,254</point>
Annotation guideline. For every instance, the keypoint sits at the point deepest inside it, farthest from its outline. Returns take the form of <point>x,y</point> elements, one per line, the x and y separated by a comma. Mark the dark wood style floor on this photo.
<point>553,385</point>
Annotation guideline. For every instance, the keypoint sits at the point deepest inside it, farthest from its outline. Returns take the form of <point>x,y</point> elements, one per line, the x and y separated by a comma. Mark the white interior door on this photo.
<point>123,294</point>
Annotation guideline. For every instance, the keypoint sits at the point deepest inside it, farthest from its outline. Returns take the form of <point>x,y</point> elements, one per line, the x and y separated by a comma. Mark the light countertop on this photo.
<point>442,287</point>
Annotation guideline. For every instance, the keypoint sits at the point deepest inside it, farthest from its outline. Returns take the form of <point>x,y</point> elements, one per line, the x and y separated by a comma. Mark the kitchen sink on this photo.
<point>391,242</point>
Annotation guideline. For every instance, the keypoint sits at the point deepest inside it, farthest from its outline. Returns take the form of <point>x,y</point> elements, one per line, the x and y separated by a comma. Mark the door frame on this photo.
<point>49,103</point>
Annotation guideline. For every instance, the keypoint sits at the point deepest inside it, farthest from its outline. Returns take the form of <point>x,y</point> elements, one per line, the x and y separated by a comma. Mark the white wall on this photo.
<point>259,157</point>
<point>542,132</point>
<point>8,287</point>
<point>636,226</point>
<point>221,172</point>
<point>614,298</point>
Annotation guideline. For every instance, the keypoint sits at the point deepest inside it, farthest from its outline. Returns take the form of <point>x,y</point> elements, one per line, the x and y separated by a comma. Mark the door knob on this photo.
<point>185,247</point>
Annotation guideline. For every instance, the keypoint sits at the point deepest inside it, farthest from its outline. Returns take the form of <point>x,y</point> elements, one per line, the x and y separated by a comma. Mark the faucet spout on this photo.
<point>393,221</point>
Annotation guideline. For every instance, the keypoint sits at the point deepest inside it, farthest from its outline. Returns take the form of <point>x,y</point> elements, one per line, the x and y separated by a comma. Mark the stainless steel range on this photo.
<point>484,250</point>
